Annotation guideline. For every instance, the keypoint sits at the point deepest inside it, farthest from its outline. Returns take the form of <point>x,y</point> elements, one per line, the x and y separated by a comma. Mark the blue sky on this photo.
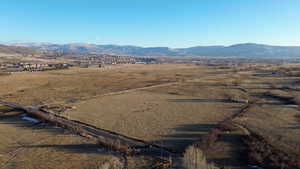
<point>172,23</point>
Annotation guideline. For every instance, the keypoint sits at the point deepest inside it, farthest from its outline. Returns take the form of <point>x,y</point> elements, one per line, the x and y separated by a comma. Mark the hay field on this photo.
<point>171,105</point>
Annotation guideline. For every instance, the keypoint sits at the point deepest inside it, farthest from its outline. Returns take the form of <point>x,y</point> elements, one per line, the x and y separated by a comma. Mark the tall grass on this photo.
<point>113,163</point>
<point>194,158</point>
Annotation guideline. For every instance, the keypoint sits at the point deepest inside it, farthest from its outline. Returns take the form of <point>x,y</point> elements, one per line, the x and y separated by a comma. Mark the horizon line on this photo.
<point>12,42</point>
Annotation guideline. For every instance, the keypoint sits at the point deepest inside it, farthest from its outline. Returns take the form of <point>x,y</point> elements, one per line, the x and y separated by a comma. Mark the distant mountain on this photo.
<point>17,50</point>
<point>239,50</point>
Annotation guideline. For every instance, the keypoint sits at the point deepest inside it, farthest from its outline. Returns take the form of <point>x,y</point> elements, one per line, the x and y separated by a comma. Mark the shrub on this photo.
<point>262,152</point>
<point>113,163</point>
<point>208,141</point>
<point>227,125</point>
<point>194,158</point>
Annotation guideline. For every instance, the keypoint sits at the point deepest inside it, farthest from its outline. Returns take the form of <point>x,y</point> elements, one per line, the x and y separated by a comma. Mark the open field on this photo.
<point>25,145</point>
<point>170,105</point>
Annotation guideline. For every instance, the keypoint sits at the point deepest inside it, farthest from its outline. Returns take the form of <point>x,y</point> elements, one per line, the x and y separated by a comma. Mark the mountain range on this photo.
<point>18,50</point>
<point>238,50</point>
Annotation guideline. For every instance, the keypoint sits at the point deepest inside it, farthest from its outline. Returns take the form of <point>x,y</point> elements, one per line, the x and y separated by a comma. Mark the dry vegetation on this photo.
<point>194,158</point>
<point>4,73</point>
<point>224,116</point>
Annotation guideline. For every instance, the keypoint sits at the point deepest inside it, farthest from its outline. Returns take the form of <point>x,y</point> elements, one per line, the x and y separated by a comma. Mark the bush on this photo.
<point>208,141</point>
<point>113,163</point>
<point>194,158</point>
<point>262,152</point>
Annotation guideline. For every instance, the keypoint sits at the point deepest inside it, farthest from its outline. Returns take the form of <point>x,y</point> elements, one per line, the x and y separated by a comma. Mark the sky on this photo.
<point>171,23</point>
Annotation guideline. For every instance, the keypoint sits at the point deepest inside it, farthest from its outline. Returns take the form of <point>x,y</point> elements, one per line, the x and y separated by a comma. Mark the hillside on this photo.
<point>239,50</point>
<point>17,50</point>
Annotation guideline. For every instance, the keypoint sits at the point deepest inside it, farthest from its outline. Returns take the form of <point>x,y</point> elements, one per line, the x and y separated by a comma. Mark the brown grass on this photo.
<point>4,73</point>
<point>194,158</point>
<point>262,152</point>
<point>174,115</point>
<point>113,163</point>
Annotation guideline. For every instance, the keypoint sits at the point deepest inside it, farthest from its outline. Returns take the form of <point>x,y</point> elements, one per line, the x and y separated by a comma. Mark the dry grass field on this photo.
<point>25,145</point>
<point>170,105</point>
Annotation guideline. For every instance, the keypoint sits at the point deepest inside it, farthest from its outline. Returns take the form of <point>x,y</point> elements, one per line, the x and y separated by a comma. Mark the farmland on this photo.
<point>170,105</point>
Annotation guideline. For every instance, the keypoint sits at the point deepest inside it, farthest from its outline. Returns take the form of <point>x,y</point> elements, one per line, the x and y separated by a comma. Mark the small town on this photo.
<point>31,67</point>
<point>85,62</point>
